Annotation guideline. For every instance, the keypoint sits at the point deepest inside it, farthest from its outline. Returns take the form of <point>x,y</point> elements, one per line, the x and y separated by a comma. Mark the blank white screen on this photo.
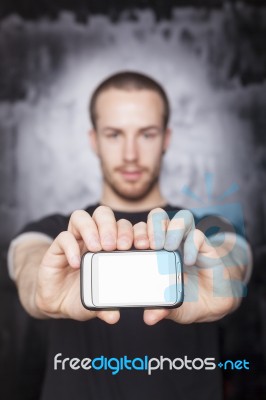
<point>130,278</point>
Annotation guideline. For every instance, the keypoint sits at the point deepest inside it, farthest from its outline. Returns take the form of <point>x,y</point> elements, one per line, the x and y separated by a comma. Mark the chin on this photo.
<point>133,194</point>
<point>132,191</point>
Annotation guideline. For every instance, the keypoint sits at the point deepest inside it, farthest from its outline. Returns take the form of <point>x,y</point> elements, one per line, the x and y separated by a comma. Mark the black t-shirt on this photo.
<point>130,337</point>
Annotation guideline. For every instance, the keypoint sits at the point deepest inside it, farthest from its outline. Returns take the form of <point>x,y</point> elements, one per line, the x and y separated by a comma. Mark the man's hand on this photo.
<point>212,285</point>
<point>58,279</point>
<point>48,277</point>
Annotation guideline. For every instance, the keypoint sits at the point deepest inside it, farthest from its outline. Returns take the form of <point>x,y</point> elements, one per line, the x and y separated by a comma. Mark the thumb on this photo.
<point>151,317</point>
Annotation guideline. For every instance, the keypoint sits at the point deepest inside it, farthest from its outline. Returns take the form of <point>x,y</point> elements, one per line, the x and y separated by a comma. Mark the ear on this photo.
<point>167,138</point>
<point>94,141</point>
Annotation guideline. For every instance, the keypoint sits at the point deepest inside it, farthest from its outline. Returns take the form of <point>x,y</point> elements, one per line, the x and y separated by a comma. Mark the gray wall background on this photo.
<point>211,62</point>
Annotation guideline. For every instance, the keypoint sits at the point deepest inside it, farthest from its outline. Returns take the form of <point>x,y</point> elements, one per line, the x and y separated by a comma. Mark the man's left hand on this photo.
<point>207,298</point>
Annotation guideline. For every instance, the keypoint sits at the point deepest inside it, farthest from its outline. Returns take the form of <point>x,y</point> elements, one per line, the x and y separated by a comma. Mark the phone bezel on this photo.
<point>86,298</point>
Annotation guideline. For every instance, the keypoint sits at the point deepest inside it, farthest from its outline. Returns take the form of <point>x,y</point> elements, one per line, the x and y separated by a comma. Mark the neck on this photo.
<point>152,200</point>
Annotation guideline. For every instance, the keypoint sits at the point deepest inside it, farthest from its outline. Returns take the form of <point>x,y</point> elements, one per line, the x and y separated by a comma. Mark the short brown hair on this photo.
<point>129,80</point>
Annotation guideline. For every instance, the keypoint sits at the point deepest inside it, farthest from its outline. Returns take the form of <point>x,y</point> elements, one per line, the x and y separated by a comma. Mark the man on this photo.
<point>129,113</point>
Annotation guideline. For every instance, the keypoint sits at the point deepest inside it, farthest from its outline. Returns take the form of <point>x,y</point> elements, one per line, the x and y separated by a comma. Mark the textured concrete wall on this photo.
<point>212,63</point>
<point>205,60</point>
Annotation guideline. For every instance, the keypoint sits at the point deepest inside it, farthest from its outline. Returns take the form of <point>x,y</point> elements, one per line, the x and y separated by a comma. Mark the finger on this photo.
<point>84,228</point>
<point>157,224</point>
<point>141,240</point>
<point>106,223</point>
<point>64,245</point>
<point>178,229</point>
<point>111,317</point>
<point>151,317</point>
<point>186,314</point>
<point>195,243</point>
<point>124,234</point>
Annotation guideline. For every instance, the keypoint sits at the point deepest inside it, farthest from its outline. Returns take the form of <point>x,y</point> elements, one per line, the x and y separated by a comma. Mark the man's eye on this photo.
<point>113,135</point>
<point>148,135</point>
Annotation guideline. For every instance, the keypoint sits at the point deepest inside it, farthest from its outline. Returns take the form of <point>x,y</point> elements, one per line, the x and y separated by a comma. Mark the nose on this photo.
<point>130,153</point>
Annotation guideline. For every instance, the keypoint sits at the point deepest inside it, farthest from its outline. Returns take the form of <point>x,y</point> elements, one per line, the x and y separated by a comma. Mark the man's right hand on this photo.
<point>57,279</point>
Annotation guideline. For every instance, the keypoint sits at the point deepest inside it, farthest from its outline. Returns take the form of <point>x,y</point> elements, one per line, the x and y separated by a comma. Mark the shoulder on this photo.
<point>50,225</point>
<point>53,224</point>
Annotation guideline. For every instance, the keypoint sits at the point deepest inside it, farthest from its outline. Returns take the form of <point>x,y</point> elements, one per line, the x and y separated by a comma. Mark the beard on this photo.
<point>131,191</point>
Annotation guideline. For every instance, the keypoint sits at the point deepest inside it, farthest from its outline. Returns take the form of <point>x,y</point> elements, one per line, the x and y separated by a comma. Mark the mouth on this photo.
<point>131,175</point>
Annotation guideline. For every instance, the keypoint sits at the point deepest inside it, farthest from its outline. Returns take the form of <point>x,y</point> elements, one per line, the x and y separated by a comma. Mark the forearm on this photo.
<point>26,262</point>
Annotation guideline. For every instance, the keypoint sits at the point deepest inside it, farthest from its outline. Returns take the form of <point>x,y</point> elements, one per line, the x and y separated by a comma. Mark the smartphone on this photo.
<point>137,278</point>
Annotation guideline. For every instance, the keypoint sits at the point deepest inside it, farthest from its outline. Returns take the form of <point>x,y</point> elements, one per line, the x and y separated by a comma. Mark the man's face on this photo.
<point>130,139</point>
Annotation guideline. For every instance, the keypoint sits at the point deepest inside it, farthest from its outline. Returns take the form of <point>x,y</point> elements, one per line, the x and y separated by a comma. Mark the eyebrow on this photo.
<point>150,127</point>
<point>145,128</point>
<point>111,128</point>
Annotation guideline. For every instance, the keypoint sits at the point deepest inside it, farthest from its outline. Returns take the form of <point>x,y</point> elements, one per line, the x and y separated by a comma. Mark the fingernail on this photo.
<point>142,242</point>
<point>158,242</point>
<point>111,317</point>
<point>108,241</point>
<point>171,244</point>
<point>124,243</point>
<point>189,259</point>
<point>75,261</point>
<point>95,244</point>
<point>153,317</point>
